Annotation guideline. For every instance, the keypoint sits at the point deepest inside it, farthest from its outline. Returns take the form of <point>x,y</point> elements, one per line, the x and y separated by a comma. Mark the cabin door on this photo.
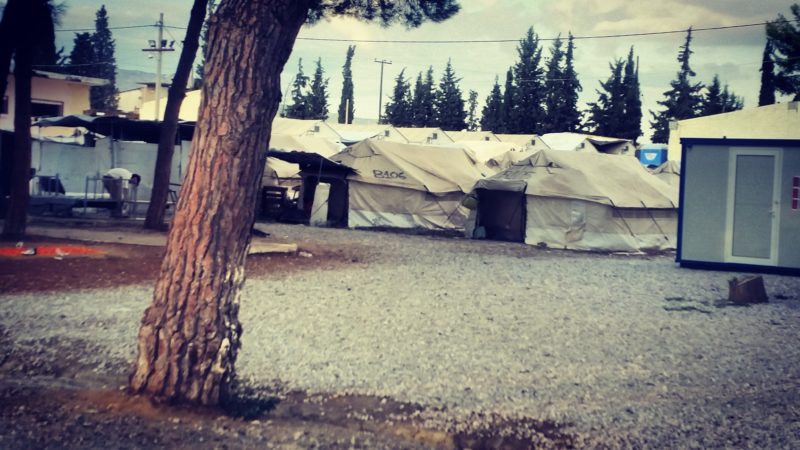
<point>753,206</point>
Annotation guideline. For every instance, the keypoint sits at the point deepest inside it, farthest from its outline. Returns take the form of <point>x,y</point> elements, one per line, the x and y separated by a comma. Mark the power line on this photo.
<point>110,28</point>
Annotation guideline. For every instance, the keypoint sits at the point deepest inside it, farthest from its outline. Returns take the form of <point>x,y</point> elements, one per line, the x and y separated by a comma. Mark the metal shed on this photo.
<point>739,205</point>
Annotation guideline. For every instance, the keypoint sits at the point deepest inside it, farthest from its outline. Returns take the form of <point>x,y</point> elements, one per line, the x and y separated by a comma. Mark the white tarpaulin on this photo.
<point>406,186</point>
<point>577,200</point>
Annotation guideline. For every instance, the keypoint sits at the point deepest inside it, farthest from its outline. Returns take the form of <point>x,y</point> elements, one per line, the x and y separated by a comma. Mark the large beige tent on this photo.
<point>407,186</point>
<point>282,173</point>
<point>577,200</point>
<point>496,156</point>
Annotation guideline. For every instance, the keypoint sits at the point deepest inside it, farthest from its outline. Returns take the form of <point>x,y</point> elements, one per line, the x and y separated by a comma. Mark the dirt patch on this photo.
<point>100,265</point>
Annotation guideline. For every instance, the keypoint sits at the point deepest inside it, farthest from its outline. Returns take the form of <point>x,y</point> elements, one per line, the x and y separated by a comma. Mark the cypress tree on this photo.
<point>449,104</point>
<point>719,99</point>
<point>682,101</point>
<point>104,97</point>
<point>528,112</point>
<point>569,114</point>
<point>607,113</point>
<point>766,95</point>
<point>346,107</point>
<point>785,38</point>
<point>507,111</point>
<point>554,89</point>
<point>398,109</point>
<point>631,124</point>
<point>490,116</point>
<point>299,108</point>
<point>318,96</point>
<point>472,111</point>
<point>82,60</point>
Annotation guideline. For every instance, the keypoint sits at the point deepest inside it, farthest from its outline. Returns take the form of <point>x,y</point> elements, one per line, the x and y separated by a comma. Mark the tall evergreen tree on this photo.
<point>631,123</point>
<point>299,108</point>
<point>198,71</point>
<point>719,99</point>
<point>422,100</point>
<point>528,112</point>
<point>682,101</point>
<point>569,115</point>
<point>507,112</point>
<point>490,116</point>
<point>449,103</point>
<point>82,60</point>
<point>766,95</point>
<point>346,106</point>
<point>472,111</point>
<point>398,109</point>
<point>554,89</point>
<point>318,96</point>
<point>785,37</point>
<point>104,98</point>
<point>606,115</point>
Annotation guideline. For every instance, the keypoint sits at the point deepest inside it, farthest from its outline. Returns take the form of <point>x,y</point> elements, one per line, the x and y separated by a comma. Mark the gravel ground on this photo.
<point>629,351</point>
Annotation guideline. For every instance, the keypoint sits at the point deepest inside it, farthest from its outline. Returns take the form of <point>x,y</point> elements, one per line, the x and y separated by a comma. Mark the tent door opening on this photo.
<point>501,214</point>
<point>329,203</point>
<point>751,235</point>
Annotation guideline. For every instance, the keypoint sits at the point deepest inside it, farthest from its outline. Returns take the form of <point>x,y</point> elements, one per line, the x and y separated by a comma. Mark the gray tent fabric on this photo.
<point>584,201</point>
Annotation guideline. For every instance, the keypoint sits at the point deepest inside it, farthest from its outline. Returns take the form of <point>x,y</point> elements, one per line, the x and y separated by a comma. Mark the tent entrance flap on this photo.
<point>501,214</point>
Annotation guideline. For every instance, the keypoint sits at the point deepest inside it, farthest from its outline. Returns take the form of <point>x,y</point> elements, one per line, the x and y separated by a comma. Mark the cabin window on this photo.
<point>44,108</point>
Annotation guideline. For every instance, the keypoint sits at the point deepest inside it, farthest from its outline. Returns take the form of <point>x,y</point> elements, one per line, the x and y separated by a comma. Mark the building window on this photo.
<point>4,106</point>
<point>44,108</point>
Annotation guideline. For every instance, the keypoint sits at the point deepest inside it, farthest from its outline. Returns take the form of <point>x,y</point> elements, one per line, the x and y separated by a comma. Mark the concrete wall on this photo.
<point>74,163</point>
<point>73,96</point>
<point>780,121</point>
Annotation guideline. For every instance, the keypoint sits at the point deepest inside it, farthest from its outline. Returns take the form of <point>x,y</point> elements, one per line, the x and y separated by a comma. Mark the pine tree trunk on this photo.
<point>169,126</point>
<point>189,336</point>
<point>17,212</point>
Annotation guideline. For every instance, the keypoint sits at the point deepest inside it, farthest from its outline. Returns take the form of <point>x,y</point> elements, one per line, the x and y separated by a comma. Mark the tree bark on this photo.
<point>166,144</point>
<point>8,39</point>
<point>17,212</point>
<point>189,335</point>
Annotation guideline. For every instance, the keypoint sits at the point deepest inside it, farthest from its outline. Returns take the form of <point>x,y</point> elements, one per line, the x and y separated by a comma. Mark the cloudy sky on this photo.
<point>734,54</point>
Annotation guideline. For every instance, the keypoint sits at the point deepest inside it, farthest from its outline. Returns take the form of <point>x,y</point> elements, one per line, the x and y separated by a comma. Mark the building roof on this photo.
<point>88,81</point>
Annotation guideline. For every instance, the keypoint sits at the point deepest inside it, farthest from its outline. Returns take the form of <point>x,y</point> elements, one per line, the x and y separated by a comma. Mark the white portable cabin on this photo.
<point>740,205</point>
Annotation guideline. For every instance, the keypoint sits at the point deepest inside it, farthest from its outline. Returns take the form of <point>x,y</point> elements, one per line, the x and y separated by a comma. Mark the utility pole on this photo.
<point>159,46</point>
<point>380,87</point>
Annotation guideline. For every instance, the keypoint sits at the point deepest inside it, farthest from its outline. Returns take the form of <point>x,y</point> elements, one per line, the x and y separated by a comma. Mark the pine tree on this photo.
<point>606,115</point>
<point>472,111</point>
<point>554,89</point>
<point>346,106</point>
<point>198,71</point>
<point>719,99</point>
<point>82,60</point>
<point>528,112</point>
<point>682,101</point>
<point>785,37</point>
<point>569,115</point>
<point>490,116</point>
<point>449,104</point>
<point>631,124</point>
<point>104,98</point>
<point>299,109</point>
<point>766,95</point>
<point>318,97</point>
<point>398,109</point>
<point>507,111</point>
